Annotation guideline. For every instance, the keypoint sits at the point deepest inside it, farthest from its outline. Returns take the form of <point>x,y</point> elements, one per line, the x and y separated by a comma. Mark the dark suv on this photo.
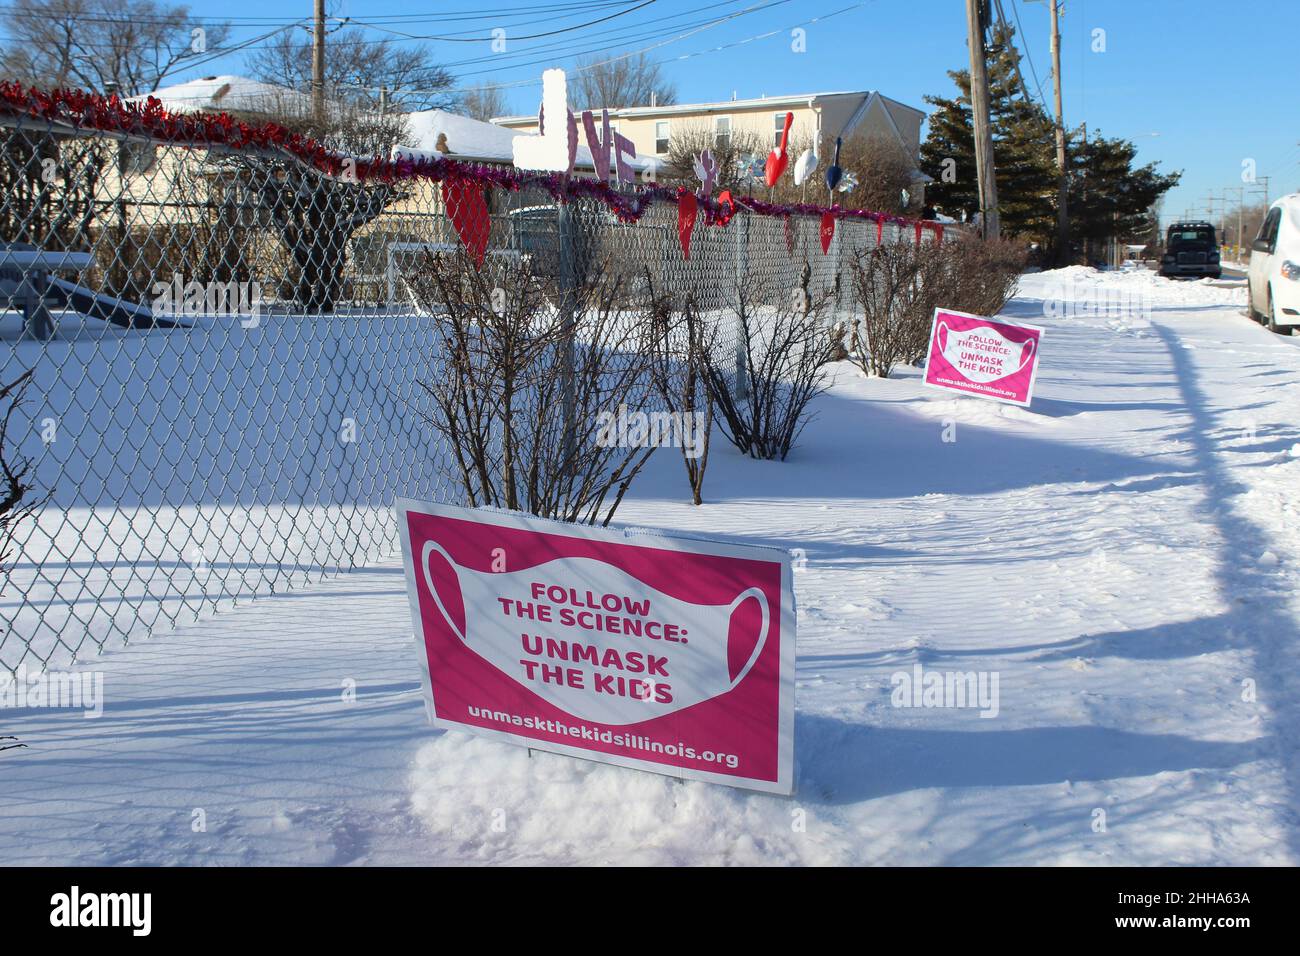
<point>1191,249</point>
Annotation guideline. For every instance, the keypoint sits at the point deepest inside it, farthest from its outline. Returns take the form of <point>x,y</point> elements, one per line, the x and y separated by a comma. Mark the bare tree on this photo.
<point>483,102</point>
<point>55,212</point>
<point>627,81</point>
<point>883,170</point>
<point>358,69</point>
<point>316,214</point>
<point>126,45</point>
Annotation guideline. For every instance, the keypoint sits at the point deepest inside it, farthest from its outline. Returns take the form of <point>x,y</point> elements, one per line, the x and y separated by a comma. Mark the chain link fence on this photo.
<point>227,353</point>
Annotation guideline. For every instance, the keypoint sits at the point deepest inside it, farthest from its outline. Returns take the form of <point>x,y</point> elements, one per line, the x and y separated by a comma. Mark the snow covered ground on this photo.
<point>1121,557</point>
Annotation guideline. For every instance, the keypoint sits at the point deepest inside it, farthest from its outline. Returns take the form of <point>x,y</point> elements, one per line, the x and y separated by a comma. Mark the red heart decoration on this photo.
<point>828,231</point>
<point>469,216</point>
<point>687,209</point>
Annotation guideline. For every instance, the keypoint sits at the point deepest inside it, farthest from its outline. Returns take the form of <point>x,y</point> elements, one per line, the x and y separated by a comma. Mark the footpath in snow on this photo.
<point>1119,561</point>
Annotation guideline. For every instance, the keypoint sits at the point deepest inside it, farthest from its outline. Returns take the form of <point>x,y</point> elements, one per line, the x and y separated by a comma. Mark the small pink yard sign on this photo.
<point>991,358</point>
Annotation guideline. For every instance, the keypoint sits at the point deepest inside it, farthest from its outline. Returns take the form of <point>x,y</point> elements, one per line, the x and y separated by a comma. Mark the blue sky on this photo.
<point>1199,86</point>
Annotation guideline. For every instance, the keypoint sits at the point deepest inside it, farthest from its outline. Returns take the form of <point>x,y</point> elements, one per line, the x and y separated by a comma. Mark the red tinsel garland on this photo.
<point>78,108</point>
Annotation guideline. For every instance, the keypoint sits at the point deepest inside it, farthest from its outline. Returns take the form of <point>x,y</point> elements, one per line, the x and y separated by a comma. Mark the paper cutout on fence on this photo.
<point>779,158</point>
<point>827,231</point>
<point>687,209</point>
<point>600,145</point>
<point>624,151</point>
<point>469,216</point>
<point>706,170</point>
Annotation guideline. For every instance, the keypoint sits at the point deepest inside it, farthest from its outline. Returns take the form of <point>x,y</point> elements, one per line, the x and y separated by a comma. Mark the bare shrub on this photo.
<point>682,341</point>
<point>524,370</point>
<point>784,344</point>
<point>898,285</point>
<point>984,273</point>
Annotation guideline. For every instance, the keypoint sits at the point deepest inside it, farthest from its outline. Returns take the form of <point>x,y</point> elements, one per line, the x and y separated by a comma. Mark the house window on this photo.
<point>722,131</point>
<point>661,137</point>
<point>780,128</point>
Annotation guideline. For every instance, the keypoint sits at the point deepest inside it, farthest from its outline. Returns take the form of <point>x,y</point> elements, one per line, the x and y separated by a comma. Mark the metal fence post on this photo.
<point>741,230</point>
<point>568,286</point>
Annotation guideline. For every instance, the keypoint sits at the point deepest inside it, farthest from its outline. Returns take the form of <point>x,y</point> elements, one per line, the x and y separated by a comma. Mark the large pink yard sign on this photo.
<point>982,356</point>
<point>663,654</point>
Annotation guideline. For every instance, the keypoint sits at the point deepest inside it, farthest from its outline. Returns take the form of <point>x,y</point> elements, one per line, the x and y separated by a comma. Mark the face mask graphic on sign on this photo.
<point>696,665</point>
<point>983,355</point>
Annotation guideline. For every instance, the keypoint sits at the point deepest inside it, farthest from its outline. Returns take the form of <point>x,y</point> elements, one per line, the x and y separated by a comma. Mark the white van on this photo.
<point>1274,277</point>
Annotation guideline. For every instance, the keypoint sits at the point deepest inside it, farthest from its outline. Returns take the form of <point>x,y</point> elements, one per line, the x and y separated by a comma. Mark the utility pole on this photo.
<point>1264,180</point>
<point>1211,199</point>
<point>318,65</point>
<point>985,170</point>
<point>1062,214</point>
<point>1241,201</point>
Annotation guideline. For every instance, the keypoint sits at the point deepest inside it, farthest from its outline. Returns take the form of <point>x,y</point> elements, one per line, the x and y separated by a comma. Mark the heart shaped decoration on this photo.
<point>687,210</point>
<point>469,216</point>
<point>827,231</point>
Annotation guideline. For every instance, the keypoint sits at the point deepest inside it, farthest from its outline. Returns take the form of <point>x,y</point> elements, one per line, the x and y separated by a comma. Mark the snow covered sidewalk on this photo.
<point>1118,561</point>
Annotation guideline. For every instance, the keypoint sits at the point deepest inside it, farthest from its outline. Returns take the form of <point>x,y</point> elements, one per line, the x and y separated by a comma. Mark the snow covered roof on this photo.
<point>227,93</point>
<point>466,137</point>
<point>474,139</point>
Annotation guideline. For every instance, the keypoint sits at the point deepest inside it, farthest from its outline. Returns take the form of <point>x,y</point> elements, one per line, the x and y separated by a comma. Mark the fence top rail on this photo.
<point>78,112</point>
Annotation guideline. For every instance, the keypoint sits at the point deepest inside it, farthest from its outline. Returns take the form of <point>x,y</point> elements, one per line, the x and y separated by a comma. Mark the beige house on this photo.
<point>821,115</point>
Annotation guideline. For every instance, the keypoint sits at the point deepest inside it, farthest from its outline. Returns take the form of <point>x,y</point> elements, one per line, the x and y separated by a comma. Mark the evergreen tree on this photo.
<point>1022,148</point>
<point>1108,197</point>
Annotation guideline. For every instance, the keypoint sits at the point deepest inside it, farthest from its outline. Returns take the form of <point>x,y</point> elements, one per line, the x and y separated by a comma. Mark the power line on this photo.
<point>534,81</point>
<point>1015,60</point>
<point>12,12</point>
<point>658,26</point>
<point>534,36</point>
<point>1028,56</point>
